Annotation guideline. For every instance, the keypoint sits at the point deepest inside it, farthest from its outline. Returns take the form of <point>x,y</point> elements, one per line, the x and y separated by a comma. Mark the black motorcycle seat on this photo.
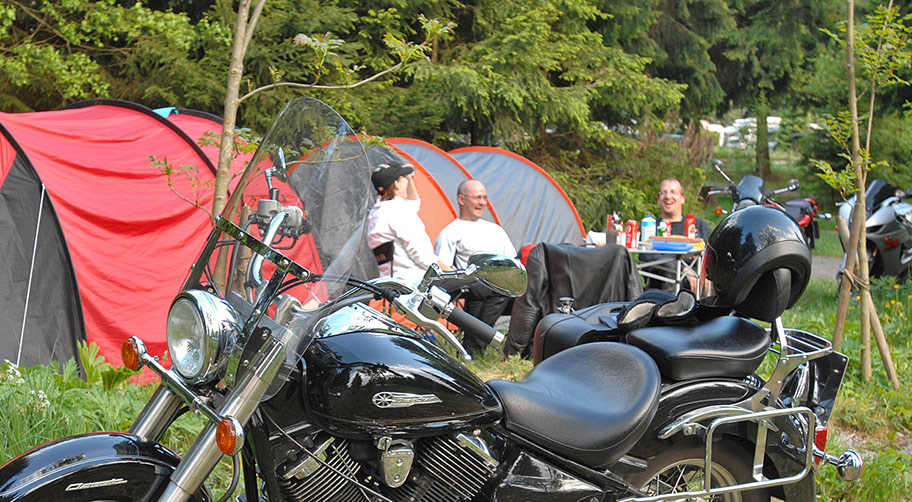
<point>589,404</point>
<point>726,346</point>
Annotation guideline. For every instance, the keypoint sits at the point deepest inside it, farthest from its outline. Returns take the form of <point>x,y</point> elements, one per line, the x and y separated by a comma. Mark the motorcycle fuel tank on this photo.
<point>388,382</point>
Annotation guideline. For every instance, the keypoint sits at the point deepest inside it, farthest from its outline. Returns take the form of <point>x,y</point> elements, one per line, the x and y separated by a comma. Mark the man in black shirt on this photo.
<point>671,205</point>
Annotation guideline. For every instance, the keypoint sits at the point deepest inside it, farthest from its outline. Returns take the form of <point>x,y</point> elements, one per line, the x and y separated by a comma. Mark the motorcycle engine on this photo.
<point>442,468</point>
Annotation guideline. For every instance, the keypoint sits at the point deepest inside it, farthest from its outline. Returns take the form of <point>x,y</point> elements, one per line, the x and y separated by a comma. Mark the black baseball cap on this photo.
<point>387,173</point>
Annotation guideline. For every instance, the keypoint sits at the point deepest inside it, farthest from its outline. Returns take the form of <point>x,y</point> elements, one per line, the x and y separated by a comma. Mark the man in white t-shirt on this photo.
<point>465,236</point>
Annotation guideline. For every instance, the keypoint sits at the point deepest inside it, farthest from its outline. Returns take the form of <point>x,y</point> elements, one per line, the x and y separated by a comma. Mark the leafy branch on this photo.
<point>184,171</point>
<point>324,47</point>
<point>245,143</point>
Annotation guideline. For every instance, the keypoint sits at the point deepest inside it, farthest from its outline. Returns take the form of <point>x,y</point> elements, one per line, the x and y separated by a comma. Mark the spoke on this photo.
<point>680,477</point>
<point>687,477</point>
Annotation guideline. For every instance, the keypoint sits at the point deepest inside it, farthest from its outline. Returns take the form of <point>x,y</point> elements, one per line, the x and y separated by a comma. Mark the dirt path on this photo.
<point>825,266</point>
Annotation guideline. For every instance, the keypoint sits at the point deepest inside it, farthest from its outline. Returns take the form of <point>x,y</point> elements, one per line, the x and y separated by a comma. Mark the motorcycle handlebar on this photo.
<point>475,327</point>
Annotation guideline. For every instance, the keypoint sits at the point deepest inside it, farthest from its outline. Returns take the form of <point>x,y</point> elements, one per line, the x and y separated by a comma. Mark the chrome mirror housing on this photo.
<point>500,273</point>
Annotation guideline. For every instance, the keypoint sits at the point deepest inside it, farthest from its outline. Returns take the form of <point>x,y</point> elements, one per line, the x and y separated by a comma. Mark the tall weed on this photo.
<point>50,401</point>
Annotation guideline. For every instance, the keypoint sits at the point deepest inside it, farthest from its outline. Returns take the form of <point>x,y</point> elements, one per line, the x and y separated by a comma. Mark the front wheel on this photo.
<point>680,469</point>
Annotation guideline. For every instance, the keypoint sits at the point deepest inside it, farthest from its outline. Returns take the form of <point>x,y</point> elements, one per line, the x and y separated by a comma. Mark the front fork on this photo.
<point>164,406</point>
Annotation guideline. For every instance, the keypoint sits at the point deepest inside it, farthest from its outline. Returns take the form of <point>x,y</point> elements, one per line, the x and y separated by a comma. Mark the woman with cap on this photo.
<point>394,219</point>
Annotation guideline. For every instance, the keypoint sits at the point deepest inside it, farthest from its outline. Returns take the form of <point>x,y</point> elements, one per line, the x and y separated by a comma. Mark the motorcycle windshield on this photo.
<point>294,229</point>
<point>751,187</point>
<point>877,192</point>
<point>311,159</point>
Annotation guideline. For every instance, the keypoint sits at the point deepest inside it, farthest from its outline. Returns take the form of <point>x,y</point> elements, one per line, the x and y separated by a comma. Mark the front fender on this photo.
<point>106,465</point>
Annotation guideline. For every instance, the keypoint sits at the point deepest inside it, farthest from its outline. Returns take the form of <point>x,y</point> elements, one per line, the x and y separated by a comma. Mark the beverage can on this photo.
<point>633,234</point>
<point>648,228</point>
<point>664,229</point>
<point>690,223</point>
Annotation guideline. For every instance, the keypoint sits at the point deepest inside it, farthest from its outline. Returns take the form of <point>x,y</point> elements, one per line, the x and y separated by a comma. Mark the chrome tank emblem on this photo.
<point>402,399</point>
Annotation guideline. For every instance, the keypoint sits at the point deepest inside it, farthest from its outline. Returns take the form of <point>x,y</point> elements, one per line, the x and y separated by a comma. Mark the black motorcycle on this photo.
<point>758,433</point>
<point>752,191</point>
<point>316,396</point>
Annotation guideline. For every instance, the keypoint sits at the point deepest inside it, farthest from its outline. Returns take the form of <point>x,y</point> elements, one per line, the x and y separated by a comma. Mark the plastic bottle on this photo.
<point>648,228</point>
<point>690,224</point>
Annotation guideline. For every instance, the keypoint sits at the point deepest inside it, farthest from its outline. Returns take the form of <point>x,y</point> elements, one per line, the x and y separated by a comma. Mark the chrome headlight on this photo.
<point>744,203</point>
<point>903,212</point>
<point>202,330</point>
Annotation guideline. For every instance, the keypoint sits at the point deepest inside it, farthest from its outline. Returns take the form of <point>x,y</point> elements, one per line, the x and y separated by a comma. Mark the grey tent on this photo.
<point>446,170</point>
<point>532,207</point>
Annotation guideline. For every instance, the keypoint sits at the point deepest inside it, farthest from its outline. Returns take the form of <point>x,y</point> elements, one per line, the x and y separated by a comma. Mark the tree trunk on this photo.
<point>229,115</point>
<point>762,146</point>
<point>859,212</point>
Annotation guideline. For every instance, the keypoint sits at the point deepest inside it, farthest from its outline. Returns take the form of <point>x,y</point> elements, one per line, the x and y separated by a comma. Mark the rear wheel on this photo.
<point>680,469</point>
<point>875,263</point>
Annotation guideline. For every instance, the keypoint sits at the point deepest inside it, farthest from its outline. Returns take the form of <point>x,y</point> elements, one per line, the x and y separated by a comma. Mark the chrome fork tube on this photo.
<point>157,415</point>
<point>204,454</point>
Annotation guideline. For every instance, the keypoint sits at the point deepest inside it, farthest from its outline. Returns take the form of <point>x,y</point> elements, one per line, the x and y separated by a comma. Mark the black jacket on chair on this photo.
<point>590,275</point>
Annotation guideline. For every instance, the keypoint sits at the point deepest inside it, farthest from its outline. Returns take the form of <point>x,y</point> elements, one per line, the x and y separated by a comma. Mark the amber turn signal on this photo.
<point>229,435</point>
<point>131,352</point>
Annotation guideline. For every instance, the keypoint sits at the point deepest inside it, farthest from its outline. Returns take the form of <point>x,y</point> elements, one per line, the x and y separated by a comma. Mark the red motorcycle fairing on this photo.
<point>105,465</point>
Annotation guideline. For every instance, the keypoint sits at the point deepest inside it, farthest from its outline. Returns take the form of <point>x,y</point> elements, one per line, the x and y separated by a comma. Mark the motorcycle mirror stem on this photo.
<point>717,164</point>
<point>273,192</point>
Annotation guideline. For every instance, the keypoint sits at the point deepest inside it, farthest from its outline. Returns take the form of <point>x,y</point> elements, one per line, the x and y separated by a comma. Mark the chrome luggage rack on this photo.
<point>794,348</point>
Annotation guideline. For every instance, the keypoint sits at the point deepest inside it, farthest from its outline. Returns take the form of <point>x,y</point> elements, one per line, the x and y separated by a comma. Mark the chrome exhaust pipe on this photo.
<point>849,465</point>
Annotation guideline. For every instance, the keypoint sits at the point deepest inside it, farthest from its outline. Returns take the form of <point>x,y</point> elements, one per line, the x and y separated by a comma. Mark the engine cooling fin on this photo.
<point>325,485</point>
<point>444,471</point>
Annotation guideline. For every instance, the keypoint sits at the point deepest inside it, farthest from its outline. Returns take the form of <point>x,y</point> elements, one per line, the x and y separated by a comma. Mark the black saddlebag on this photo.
<point>557,332</point>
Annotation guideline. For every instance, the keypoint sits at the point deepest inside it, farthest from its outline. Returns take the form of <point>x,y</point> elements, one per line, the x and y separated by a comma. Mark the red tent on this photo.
<point>97,243</point>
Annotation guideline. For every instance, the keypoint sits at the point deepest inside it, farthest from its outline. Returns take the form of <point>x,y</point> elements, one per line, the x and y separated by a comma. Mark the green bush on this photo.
<point>46,402</point>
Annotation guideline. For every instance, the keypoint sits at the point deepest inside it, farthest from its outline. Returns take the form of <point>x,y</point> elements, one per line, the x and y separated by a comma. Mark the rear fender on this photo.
<point>112,466</point>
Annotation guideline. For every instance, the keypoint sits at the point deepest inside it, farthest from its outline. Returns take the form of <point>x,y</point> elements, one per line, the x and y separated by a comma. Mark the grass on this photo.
<point>45,402</point>
<point>828,242</point>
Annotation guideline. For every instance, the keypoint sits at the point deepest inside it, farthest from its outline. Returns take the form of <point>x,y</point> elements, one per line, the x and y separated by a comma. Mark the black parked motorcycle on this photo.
<point>751,191</point>
<point>755,432</point>
<point>316,396</point>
